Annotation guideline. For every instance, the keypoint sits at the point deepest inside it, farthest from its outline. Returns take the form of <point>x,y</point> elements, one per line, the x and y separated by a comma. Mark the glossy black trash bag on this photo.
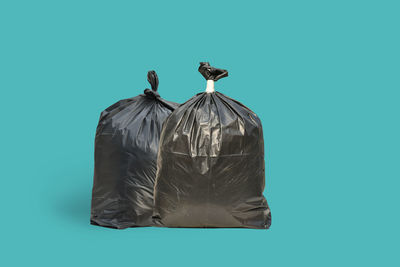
<point>211,163</point>
<point>126,147</point>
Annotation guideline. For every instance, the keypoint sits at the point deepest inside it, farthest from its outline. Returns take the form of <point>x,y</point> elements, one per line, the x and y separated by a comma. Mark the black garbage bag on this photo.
<point>126,147</point>
<point>211,163</point>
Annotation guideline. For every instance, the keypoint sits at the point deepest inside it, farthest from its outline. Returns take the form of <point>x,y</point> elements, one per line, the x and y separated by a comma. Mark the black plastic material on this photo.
<point>211,73</point>
<point>126,147</point>
<point>211,164</point>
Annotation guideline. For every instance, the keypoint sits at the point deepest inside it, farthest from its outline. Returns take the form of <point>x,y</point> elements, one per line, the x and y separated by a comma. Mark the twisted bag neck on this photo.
<point>211,74</point>
<point>152,78</point>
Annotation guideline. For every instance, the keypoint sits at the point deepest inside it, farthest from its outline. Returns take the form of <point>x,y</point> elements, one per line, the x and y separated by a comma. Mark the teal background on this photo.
<point>322,75</point>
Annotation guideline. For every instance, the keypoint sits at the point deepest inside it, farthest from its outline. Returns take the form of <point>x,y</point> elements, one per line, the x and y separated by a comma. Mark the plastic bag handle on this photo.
<point>152,78</point>
<point>211,73</point>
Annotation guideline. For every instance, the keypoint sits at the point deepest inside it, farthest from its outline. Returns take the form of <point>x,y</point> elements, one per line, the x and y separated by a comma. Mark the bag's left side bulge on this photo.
<point>126,147</point>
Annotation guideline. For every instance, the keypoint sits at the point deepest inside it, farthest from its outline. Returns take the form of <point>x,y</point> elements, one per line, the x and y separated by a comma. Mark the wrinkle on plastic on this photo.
<point>211,164</point>
<point>126,147</point>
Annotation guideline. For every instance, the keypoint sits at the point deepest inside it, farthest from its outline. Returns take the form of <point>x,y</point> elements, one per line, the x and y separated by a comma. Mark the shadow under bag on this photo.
<point>126,146</point>
<point>211,163</point>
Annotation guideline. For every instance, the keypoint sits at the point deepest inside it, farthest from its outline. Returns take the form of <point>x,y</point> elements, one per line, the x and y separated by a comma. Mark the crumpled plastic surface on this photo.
<point>126,146</point>
<point>211,164</point>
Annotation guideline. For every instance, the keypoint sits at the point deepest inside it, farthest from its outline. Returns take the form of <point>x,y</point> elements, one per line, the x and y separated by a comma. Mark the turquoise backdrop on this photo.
<point>323,76</point>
